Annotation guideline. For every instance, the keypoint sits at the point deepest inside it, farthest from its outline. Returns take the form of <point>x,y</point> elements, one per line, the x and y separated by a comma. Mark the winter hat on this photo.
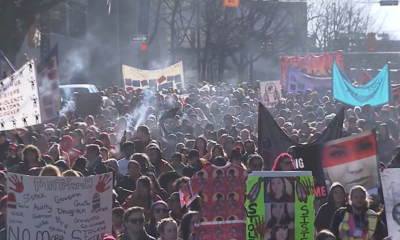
<point>153,206</point>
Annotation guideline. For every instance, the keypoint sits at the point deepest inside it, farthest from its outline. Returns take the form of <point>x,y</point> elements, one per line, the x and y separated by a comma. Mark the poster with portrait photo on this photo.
<point>308,158</point>
<point>280,215</point>
<point>279,190</point>
<point>390,179</point>
<point>352,161</point>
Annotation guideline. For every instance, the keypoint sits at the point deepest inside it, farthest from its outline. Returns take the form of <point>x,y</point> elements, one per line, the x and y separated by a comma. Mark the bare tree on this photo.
<point>339,24</point>
<point>16,17</point>
<point>268,30</point>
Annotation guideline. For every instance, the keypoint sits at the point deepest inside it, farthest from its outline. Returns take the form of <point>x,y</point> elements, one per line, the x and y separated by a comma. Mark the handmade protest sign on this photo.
<point>308,158</point>
<point>59,208</point>
<point>19,99</point>
<point>271,93</point>
<point>280,204</point>
<point>390,179</point>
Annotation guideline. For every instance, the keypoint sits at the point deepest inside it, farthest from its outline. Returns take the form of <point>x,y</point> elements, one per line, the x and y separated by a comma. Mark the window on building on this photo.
<point>77,20</point>
<point>58,19</point>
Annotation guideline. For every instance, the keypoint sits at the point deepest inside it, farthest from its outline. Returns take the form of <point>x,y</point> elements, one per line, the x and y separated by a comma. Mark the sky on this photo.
<point>391,19</point>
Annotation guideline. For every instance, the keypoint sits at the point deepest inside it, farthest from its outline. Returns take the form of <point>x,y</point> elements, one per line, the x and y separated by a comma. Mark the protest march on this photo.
<point>224,131</point>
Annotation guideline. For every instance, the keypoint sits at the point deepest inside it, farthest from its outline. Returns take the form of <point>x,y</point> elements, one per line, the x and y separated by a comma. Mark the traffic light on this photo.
<point>144,47</point>
<point>371,42</point>
<point>389,2</point>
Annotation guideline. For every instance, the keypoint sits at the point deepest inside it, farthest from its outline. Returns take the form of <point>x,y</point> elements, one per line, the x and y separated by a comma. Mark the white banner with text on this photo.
<point>59,208</point>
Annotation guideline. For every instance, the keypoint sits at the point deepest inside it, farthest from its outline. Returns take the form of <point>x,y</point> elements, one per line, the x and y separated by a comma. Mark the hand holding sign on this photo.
<point>103,182</point>
<point>19,186</point>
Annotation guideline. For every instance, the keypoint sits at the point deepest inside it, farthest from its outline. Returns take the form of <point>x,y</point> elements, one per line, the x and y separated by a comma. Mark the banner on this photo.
<point>376,92</point>
<point>270,92</point>
<point>316,66</point>
<point>308,158</point>
<point>48,84</point>
<point>19,102</point>
<point>390,179</point>
<point>297,82</point>
<point>6,67</point>
<point>59,207</point>
<point>280,204</point>
<point>272,141</point>
<point>352,161</point>
<point>170,77</point>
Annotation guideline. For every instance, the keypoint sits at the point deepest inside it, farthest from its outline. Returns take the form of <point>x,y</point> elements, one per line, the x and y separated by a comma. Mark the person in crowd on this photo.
<point>177,162</point>
<point>117,218</point>
<point>325,235</point>
<point>134,225</point>
<point>386,143</point>
<point>174,205</point>
<point>255,163</point>
<point>283,162</point>
<point>128,149</point>
<point>356,220</point>
<point>95,164</point>
<point>166,181</point>
<point>143,196</point>
<point>158,211</point>
<point>156,186</point>
<point>50,170</point>
<point>129,180</point>
<point>156,159</point>
<point>187,224</point>
<point>168,229</point>
<point>195,163</point>
<point>336,200</point>
<point>3,209</point>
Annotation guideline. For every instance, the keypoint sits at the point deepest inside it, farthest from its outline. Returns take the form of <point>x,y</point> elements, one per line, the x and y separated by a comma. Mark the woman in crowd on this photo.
<point>157,160</point>
<point>201,146</point>
<point>143,196</point>
<point>158,211</point>
<point>187,224</point>
<point>283,162</point>
<point>356,220</point>
<point>168,229</point>
<point>50,170</point>
<point>386,143</point>
<point>134,222</point>
<point>336,199</point>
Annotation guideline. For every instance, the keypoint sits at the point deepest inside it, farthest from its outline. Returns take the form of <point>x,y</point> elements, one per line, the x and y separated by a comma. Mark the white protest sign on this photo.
<point>270,93</point>
<point>58,208</point>
<point>19,102</point>
<point>390,179</point>
<point>169,77</point>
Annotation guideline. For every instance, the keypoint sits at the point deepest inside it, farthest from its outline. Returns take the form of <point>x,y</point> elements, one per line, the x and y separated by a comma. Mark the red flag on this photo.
<point>161,79</point>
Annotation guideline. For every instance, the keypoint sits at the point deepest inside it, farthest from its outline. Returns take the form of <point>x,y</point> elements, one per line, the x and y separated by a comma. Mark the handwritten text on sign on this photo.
<point>55,208</point>
<point>19,104</point>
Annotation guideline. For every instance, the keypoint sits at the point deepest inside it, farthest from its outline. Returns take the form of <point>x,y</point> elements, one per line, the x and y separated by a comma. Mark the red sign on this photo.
<point>316,66</point>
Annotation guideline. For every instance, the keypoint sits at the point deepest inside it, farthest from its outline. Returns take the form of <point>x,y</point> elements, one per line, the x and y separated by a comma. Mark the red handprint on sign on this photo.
<point>18,184</point>
<point>103,182</point>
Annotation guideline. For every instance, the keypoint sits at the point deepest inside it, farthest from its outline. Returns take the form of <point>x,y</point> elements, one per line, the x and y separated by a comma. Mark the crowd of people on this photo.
<point>155,142</point>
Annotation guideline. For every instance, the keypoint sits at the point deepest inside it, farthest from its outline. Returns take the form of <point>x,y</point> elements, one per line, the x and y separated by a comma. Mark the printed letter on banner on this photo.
<point>59,207</point>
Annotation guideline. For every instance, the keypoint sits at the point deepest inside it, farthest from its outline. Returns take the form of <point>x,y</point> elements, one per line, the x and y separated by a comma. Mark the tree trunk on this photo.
<point>221,66</point>
<point>240,73</point>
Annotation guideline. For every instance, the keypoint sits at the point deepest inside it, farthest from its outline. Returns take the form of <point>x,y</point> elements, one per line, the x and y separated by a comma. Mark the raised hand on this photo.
<point>103,182</point>
<point>18,184</point>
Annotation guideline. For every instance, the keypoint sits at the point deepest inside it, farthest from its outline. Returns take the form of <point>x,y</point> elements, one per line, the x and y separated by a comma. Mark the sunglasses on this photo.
<point>287,163</point>
<point>159,210</point>
<point>136,220</point>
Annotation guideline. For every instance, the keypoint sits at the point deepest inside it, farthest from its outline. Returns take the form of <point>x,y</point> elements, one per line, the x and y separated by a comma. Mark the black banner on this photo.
<point>308,158</point>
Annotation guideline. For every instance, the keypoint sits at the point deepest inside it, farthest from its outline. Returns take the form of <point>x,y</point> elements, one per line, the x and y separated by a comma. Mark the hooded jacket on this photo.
<point>325,213</point>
